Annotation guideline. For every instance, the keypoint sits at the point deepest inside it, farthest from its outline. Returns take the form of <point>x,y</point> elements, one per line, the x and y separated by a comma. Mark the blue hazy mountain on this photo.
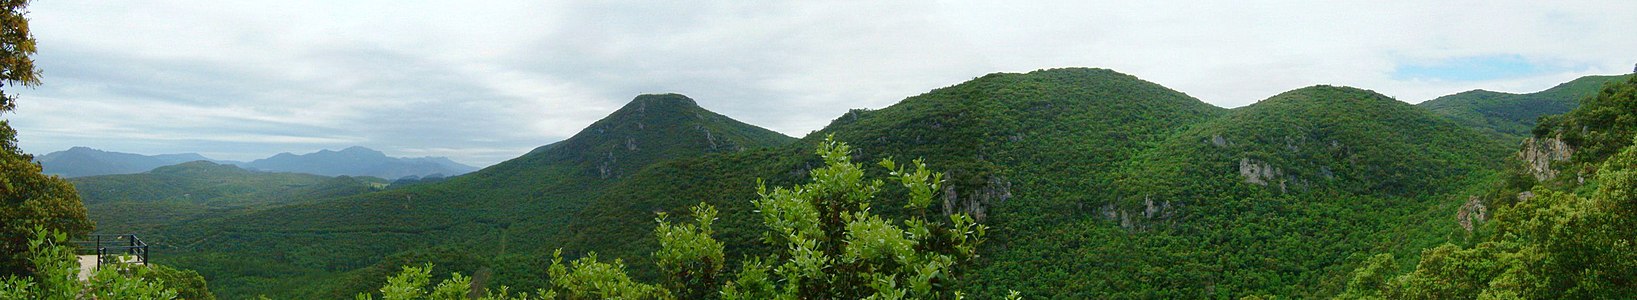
<point>84,161</point>
<point>359,161</point>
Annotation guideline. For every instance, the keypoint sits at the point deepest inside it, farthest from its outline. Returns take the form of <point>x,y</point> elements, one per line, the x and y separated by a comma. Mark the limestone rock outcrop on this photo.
<point>1538,155</point>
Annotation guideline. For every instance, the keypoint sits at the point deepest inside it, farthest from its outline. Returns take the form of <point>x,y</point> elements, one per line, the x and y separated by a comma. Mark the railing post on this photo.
<point>144,248</point>
<point>99,252</point>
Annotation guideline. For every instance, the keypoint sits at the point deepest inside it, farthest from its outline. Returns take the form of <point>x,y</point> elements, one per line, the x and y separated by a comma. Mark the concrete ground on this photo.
<point>88,266</point>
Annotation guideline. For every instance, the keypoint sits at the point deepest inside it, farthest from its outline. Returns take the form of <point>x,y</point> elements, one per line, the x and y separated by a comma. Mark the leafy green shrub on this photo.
<point>832,246</point>
<point>56,274</point>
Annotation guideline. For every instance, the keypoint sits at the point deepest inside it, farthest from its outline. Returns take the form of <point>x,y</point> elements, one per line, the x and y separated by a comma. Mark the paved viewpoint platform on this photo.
<point>88,266</point>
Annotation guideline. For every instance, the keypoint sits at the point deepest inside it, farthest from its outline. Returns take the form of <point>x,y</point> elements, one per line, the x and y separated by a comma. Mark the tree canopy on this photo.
<point>28,198</point>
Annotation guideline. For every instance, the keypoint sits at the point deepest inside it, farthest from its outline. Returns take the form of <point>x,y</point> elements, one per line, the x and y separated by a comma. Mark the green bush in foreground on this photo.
<point>55,276</point>
<point>833,247</point>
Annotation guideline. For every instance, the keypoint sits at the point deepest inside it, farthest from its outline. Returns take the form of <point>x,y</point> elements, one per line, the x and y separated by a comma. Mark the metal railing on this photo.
<point>114,248</point>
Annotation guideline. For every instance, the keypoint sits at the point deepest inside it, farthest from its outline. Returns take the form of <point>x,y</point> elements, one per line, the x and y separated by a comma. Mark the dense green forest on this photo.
<point>1094,184</point>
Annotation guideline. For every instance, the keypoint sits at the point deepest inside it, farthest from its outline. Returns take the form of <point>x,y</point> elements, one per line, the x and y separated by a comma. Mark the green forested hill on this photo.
<point>518,208</point>
<point>140,203</point>
<point>1511,116</point>
<point>1282,197</point>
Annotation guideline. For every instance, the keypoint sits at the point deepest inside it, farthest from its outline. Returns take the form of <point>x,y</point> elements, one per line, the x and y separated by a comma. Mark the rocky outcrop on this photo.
<point>710,139</point>
<point>1141,218</point>
<point>1538,155</point>
<point>1260,173</point>
<point>977,202</point>
<point>1472,212</point>
<point>605,167</point>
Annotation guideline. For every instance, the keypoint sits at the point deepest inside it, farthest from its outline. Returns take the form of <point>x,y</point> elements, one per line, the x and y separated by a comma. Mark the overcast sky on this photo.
<point>485,81</point>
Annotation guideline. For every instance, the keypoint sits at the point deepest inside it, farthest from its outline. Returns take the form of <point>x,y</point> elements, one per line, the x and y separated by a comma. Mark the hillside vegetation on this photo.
<point>1512,116</point>
<point>173,195</point>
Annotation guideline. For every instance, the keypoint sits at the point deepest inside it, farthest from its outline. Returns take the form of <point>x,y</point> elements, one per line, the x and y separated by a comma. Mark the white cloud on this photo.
<point>485,82</point>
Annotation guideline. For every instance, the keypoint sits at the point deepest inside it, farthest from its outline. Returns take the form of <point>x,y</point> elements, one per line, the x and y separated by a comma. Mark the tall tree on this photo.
<point>28,198</point>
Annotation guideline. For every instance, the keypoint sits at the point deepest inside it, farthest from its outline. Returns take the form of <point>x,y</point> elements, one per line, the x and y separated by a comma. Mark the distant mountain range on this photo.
<point>353,161</point>
<point>83,161</point>
<point>359,161</point>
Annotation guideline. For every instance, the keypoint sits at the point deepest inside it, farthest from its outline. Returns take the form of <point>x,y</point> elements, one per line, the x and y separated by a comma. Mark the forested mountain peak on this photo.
<point>650,128</point>
<point>1330,94</point>
<point>662,101</point>
<point>1071,120</point>
<point>1017,107</point>
<point>1040,90</point>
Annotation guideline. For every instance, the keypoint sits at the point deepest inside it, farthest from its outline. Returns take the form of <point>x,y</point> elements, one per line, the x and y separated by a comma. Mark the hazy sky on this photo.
<point>485,81</point>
